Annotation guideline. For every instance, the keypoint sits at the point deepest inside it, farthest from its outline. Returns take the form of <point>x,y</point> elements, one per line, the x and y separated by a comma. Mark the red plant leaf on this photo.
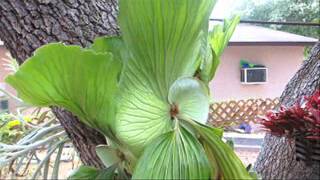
<point>296,119</point>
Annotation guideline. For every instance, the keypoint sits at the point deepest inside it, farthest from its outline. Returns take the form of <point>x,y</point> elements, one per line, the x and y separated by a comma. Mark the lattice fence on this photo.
<point>228,113</point>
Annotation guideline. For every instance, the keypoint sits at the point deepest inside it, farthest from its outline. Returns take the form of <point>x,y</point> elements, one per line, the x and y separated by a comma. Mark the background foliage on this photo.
<point>283,11</point>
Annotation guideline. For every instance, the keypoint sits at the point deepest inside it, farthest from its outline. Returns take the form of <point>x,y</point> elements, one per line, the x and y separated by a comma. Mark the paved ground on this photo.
<point>247,146</point>
<point>247,156</point>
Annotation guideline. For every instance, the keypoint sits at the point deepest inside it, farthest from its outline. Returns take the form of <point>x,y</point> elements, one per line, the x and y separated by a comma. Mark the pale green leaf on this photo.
<point>217,131</point>
<point>205,56</point>
<point>212,160</point>
<point>109,173</point>
<point>91,173</point>
<point>84,172</point>
<point>214,65</point>
<point>81,81</point>
<point>174,155</point>
<point>190,98</point>
<point>140,118</point>
<point>107,155</point>
<point>221,34</point>
<point>113,44</point>
<point>230,166</point>
<point>218,40</point>
<point>164,39</point>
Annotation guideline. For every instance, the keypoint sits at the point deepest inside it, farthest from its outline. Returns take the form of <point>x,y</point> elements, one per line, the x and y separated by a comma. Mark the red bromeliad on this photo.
<point>301,119</point>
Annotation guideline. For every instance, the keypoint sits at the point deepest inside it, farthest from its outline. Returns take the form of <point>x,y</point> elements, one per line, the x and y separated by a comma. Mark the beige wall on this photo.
<point>3,74</point>
<point>282,62</point>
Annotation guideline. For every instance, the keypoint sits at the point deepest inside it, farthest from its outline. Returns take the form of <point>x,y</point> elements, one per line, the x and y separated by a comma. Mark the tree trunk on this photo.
<point>25,25</point>
<point>277,157</point>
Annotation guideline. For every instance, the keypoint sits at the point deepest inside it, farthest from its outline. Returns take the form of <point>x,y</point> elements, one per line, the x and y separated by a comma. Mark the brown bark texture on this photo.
<point>277,157</point>
<point>26,25</point>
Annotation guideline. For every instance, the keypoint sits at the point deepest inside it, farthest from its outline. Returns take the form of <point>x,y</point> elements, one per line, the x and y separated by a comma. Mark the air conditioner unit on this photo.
<point>255,75</point>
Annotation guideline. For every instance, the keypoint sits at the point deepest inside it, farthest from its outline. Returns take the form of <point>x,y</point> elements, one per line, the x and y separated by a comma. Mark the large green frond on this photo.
<point>87,172</point>
<point>81,81</point>
<point>218,40</point>
<point>222,33</point>
<point>174,155</point>
<point>164,39</point>
<point>221,154</point>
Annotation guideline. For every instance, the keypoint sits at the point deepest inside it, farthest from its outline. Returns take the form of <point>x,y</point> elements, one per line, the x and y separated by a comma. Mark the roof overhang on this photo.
<point>251,35</point>
<point>272,43</point>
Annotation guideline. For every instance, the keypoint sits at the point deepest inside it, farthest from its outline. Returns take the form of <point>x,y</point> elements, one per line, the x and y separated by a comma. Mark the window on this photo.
<point>255,75</point>
<point>4,105</point>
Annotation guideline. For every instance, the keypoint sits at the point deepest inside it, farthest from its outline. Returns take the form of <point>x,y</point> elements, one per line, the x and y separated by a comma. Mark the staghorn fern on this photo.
<point>146,91</point>
<point>24,140</point>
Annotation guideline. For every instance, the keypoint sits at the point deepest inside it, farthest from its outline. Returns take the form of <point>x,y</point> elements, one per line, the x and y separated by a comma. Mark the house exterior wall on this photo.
<point>282,62</point>
<point>3,74</point>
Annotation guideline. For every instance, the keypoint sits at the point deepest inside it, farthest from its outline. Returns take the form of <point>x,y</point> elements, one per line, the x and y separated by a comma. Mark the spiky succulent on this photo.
<point>146,91</point>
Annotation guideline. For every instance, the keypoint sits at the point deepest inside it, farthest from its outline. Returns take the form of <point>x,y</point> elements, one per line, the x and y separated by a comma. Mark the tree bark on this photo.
<point>26,25</point>
<point>277,157</point>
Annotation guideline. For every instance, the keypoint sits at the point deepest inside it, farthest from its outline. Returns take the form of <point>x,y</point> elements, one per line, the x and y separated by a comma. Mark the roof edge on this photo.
<point>273,43</point>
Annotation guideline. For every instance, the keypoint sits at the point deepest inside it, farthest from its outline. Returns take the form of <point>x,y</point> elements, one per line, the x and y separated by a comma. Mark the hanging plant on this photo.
<point>300,122</point>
